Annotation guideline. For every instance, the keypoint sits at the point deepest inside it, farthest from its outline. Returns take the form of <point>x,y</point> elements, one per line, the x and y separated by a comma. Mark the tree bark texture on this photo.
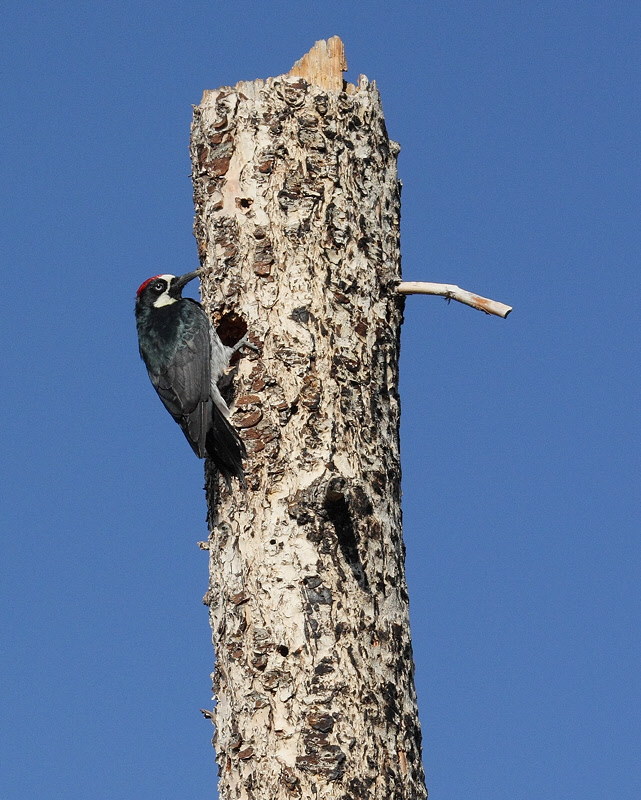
<point>297,222</point>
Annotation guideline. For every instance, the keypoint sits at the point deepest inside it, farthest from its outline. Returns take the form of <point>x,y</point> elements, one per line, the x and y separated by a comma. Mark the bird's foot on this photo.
<point>244,342</point>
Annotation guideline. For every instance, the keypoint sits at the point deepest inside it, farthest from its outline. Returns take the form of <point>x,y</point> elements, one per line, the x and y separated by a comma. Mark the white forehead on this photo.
<point>168,278</point>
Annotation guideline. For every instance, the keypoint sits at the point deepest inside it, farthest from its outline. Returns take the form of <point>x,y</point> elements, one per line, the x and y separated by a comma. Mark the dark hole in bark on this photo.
<point>231,328</point>
<point>301,315</point>
<point>339,514</point>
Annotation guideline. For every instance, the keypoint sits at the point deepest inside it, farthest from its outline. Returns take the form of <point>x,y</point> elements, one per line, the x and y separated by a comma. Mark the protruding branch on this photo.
<point>452,292</point>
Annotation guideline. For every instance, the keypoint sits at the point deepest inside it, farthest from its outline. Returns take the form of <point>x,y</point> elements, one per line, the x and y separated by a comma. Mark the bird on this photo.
<point>186,360</point>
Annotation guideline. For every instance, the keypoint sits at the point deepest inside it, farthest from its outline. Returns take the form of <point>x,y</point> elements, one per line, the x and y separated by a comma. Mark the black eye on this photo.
<point>159,285</point>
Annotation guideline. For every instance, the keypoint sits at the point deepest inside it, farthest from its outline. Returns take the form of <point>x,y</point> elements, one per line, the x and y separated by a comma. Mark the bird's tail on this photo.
<point>225,448</point>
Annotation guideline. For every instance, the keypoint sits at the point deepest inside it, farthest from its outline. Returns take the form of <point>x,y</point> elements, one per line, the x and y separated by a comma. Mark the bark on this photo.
<point>297,222</point>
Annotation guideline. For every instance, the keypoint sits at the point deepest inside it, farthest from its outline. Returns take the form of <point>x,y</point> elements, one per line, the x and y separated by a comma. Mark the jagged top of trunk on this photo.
<point>322,66</point>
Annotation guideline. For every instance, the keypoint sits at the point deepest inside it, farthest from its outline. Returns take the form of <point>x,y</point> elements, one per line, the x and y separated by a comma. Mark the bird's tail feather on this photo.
<point>225,448</point>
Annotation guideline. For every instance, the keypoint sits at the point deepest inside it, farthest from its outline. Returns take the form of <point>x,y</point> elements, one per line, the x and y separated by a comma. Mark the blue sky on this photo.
<point>519,125</point>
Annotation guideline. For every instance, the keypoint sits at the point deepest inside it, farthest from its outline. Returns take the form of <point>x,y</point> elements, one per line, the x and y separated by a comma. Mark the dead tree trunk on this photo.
<point>297,222</point>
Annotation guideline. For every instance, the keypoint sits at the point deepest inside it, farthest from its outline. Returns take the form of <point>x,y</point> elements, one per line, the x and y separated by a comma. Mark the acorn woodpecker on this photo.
<point>186,359</point>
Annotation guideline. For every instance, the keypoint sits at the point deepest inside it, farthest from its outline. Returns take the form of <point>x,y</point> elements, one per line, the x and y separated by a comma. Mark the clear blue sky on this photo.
<point>520,132</point>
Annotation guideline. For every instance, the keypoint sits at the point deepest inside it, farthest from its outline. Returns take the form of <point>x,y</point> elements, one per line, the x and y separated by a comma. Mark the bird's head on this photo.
<point>163,290</point>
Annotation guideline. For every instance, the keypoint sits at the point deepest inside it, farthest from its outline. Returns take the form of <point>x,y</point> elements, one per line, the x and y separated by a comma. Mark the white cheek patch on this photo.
<point>165,299</point>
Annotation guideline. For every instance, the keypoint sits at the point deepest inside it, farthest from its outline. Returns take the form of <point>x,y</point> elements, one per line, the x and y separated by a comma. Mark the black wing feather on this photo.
<point>225,448</point>
<point>184,385</point>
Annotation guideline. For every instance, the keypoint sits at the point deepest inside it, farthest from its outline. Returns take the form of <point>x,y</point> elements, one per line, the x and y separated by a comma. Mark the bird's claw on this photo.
<point>244,342</point>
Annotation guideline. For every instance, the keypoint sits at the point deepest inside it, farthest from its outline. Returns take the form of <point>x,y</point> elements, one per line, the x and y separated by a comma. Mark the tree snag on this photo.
<point>297,222</point>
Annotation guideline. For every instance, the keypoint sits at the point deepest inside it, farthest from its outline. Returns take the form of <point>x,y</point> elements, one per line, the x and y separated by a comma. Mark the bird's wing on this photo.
<point>226,448</point>
<point>184,386</point>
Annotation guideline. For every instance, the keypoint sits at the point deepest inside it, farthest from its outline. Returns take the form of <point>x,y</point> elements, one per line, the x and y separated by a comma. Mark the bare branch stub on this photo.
<point>452,292</point>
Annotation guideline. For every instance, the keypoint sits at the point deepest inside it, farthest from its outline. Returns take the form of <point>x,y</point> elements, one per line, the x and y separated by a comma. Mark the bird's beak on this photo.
<point>178,283</point>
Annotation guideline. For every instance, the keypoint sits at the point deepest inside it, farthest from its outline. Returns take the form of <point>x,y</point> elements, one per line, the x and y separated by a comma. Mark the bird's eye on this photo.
<point>159,285</point>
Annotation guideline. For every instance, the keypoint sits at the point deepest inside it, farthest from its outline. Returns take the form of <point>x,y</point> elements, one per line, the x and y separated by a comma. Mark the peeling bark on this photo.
<point>297,222</point>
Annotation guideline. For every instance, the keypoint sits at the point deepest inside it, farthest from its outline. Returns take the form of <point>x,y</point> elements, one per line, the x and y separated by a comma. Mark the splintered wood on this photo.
<point>324,65</point>
<point>297,223</point>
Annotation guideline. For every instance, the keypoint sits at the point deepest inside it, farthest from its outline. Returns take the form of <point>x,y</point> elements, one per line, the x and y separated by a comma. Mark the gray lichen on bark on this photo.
<point>297,222</point>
